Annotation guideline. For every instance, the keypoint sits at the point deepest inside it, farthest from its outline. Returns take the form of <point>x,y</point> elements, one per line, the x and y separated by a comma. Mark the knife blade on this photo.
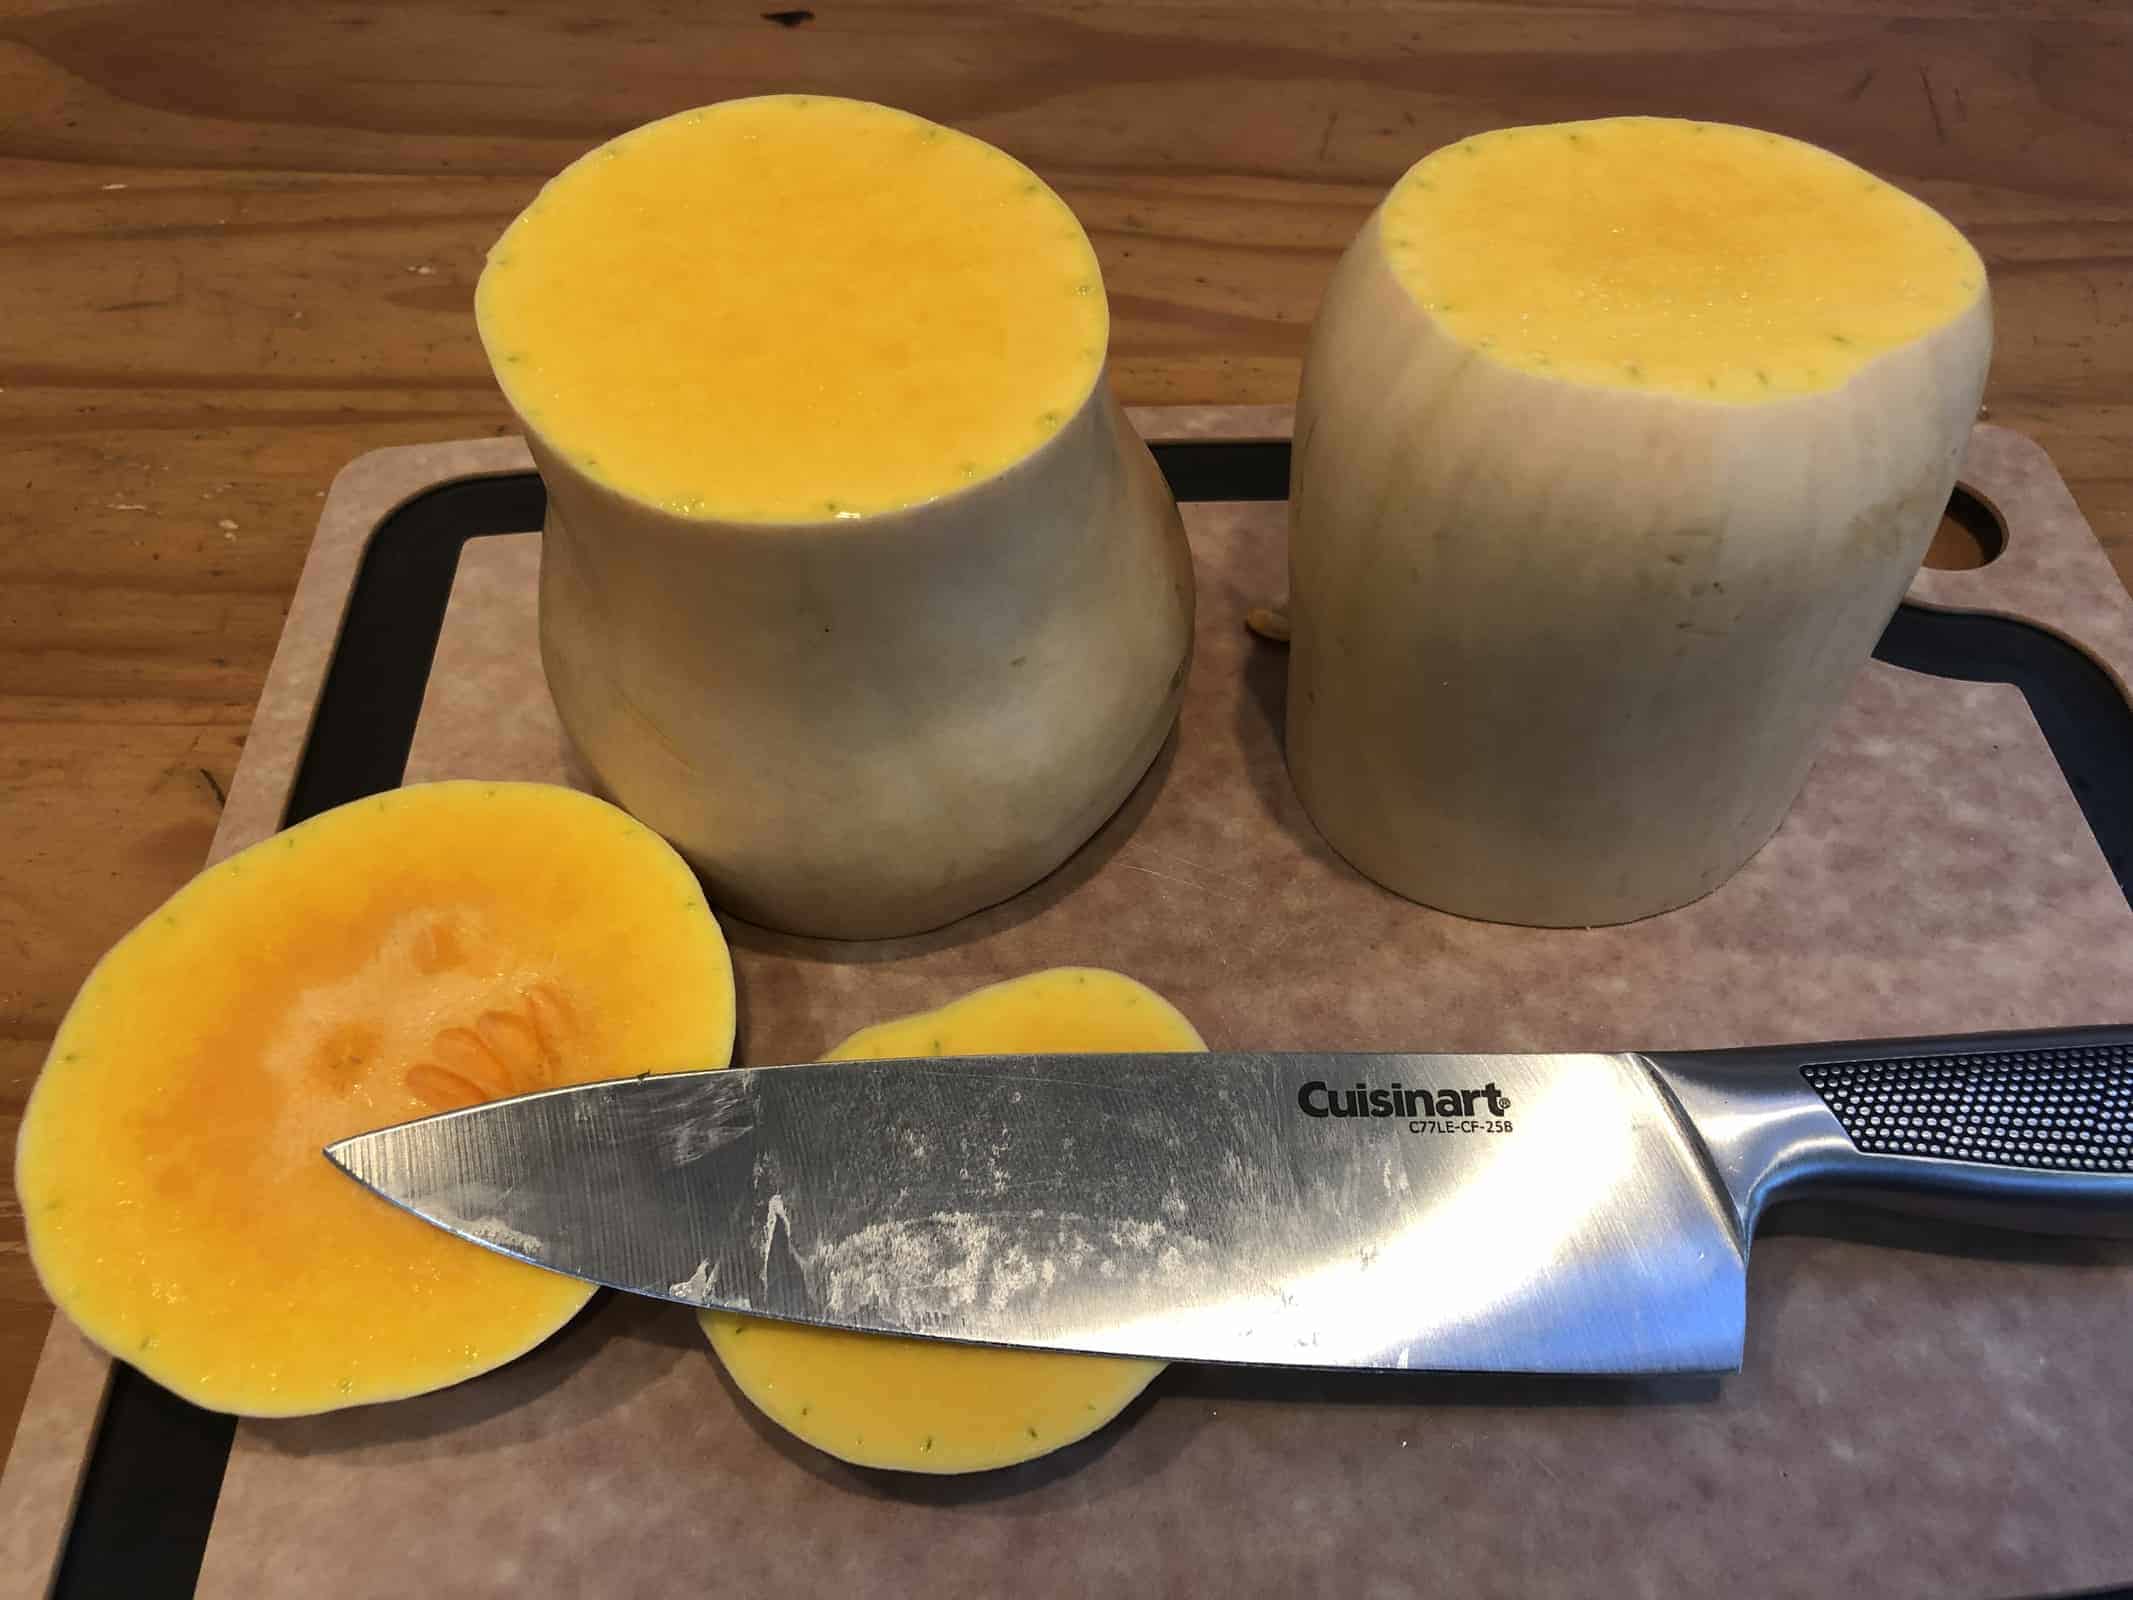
<point>1557,1213</point>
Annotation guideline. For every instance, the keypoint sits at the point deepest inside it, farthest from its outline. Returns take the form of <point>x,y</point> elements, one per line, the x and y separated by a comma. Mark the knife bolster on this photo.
<point>2026,1130</point>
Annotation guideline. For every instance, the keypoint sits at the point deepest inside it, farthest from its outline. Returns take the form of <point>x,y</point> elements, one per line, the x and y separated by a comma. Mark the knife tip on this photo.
<point>346,1154</point>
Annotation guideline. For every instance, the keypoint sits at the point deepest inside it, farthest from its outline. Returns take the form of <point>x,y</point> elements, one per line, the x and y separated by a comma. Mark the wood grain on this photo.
<point>238,245</point>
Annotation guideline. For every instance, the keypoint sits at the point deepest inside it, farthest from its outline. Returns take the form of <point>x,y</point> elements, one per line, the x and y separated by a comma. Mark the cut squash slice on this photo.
<point>415,952</point>
<point>915,1405</point>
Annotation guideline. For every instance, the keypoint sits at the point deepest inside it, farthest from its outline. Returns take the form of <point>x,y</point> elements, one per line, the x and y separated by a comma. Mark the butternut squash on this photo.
<point>855,583</point>
<point>426,949</point>
<point>917,1405</point>
<point>1618,443</point>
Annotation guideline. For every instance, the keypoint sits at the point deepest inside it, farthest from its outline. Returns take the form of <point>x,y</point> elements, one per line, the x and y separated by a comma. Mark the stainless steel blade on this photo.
<point>1528,1213</point>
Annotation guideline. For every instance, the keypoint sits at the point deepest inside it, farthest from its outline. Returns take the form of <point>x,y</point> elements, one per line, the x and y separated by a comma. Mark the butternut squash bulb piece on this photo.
<point>917,1405</point>
<point>423,950</point>
<point>855,583</point>
<point>1618,443</point>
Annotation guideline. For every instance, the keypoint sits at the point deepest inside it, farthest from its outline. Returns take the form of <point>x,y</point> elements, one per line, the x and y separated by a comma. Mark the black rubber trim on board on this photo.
<point>2082,714</point>
<point>147,1501</point>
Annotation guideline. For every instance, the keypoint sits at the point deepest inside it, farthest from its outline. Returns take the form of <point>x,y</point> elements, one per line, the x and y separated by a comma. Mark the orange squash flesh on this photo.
<point>793,308</point>
<point>916,1405</point>
<point>1674,257</point>
<point>425,949</point>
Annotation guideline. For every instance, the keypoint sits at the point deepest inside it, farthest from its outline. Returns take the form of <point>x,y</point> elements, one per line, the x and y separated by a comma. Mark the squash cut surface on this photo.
<point>426,949</point>
<point>1689,257</point>
<point>794,308</point>
<point>917,1405</point>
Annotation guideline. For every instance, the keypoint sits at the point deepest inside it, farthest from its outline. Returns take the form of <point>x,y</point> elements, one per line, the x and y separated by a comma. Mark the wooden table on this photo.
<point>238,244</point>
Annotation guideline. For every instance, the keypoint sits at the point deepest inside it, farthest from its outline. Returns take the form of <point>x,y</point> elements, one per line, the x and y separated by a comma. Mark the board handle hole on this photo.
<point>1972,534</point>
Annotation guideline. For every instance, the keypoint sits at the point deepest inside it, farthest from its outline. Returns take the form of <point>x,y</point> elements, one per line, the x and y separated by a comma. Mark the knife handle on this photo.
<point>2028,1130</point>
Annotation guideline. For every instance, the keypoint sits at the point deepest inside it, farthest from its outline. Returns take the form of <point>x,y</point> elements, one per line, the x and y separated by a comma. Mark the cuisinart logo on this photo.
<point>1483,1110</point>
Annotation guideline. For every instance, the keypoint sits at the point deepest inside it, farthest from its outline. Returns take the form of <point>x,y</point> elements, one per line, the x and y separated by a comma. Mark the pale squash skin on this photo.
<point>869,724</point>
<point>401,955</point>
<point>916,1405</point>
<point>867,729</point>
<point>1563,652</point>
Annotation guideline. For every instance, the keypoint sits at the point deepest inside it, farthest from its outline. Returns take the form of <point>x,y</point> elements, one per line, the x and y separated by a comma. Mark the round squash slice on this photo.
<point>1618,444</point>
<point>411,953</point>
<point>917,1405</point>
<point>835,480</point>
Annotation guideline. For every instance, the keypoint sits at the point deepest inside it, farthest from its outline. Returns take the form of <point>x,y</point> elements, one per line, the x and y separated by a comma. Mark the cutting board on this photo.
<point>1922,1410</point>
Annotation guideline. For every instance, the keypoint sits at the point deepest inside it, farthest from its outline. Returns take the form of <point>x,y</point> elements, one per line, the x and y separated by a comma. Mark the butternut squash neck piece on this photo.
<point>423,950</point>
<point>1688,257</point>
<point>793,309</point>
<point>914,1405</point>
<point>1617,444</point>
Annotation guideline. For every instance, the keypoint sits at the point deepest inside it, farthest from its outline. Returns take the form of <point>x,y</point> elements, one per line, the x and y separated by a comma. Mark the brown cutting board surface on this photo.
<point>1922,1410</point>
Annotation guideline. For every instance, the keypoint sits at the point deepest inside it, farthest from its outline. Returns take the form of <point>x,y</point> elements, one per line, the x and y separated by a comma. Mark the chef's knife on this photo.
<point>1501,1213</point>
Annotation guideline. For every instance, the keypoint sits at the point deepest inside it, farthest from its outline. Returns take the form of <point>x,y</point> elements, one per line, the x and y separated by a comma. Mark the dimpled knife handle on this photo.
<point>2066,1109</point>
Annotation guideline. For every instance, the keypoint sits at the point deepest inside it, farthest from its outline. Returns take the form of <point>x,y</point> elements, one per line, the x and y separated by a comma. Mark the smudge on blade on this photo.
<point>697,1286</point>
